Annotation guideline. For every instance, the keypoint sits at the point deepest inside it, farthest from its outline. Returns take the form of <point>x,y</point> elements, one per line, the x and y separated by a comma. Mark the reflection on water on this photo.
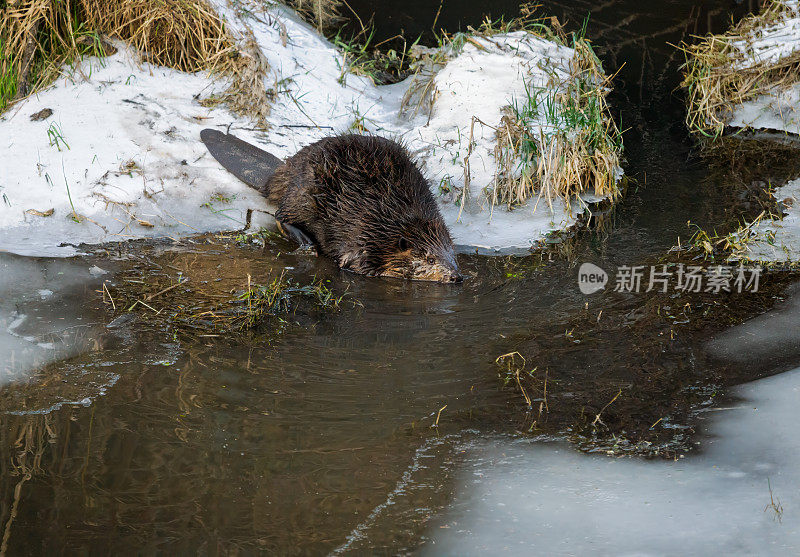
<point>226,447</point>
<point>322,438</point>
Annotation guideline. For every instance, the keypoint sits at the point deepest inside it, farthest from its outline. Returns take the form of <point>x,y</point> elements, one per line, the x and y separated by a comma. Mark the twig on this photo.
<point>165,290</point>
<point>521,388</point>
<point>597,417</point>
<point>303,126</point>
<point>13,514</point>
<point>105,288</point>
<point>149,307</point>
<point>436,423</point>
<point>467,173</point>
<point>27,61</point>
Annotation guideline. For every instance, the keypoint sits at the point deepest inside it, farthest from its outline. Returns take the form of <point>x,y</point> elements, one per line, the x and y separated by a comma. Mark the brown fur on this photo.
<point>366,205</point>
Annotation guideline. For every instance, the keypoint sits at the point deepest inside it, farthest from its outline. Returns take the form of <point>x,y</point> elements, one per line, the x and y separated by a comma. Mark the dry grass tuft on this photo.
<point>722,71</point>
<point>191,306</point>
<point>247,94</point>
<point>187,35</point>
<point>37,37</point>
<point>561,141</point>
<point>322,14</point>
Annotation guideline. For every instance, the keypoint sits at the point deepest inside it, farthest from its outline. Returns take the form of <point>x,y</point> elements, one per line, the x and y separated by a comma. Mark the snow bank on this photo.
<point>479,83</point>
<point>771,44</point>
<point>122,145</point>
<point>779,240</point>
<point>122,148</point>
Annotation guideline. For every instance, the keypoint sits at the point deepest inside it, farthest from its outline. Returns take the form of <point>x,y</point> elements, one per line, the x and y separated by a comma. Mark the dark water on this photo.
<point>229,444</point>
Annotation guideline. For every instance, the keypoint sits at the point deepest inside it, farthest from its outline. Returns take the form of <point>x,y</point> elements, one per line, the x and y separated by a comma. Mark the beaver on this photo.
<point>358,199</point>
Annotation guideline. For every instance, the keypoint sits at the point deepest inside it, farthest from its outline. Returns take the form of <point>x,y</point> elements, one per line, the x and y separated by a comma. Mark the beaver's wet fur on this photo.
<point>365,204</point>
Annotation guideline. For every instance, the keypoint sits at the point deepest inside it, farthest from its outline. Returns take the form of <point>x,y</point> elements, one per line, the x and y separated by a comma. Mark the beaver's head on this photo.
<point>417,260</point>
<point>416,248</point>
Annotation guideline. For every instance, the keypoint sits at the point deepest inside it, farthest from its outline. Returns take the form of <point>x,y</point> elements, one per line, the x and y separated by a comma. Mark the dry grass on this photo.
<point>37,37</point>
<point>561,141</point>
<point>247,94</point>
<point>186,35</point>
<point>322,14</point>
<point>720,71</point>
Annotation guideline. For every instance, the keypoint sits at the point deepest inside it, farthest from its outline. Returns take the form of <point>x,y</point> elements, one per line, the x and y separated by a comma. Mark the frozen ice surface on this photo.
<point>517,497</point>
<point>520,497</point>
<point>42,313</point>
<point>764,343</point>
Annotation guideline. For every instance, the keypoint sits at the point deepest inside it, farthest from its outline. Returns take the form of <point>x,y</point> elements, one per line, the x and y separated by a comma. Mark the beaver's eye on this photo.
<point>431,259</point>
<point>402,243</point>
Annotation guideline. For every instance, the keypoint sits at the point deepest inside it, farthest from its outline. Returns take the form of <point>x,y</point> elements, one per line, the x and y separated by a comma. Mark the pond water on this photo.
<point>350,430</point>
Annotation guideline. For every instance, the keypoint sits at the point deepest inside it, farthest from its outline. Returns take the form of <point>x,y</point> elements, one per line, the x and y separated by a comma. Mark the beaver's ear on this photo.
<point>347,258</point>
<point>355,260</point>
<point>402,244</point>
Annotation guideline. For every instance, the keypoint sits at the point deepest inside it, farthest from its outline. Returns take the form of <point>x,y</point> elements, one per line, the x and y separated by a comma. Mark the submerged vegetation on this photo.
<point>273,300</point>
<point>190,294</point>
<point>644,374</point>
<point>725,70</point>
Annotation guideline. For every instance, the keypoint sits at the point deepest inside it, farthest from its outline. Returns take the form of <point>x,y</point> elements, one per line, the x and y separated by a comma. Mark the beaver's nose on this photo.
<point>454,277</point>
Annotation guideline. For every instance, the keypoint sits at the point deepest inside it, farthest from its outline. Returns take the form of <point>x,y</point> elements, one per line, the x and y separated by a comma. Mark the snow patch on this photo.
<point>121,147</point>
<point>521,496</point>
<point>779,110</point>
<point>779,240</point>
<point>771,43</point>
<point>765,46</point>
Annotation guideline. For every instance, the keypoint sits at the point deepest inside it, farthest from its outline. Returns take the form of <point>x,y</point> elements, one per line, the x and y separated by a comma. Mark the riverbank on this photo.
<point>510,127</point>
<point>748,80</point>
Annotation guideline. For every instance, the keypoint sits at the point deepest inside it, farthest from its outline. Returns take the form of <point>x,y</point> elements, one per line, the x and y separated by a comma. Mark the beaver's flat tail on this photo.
<point>247,162</point>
